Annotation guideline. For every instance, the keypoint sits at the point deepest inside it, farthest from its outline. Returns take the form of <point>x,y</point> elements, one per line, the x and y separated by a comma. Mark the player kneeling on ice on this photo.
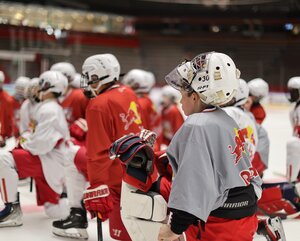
<point>144,193</point>
<point>40,155</point>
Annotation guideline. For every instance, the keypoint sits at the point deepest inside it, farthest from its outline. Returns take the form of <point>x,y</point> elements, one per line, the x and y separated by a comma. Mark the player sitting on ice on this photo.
<point>40,155</point>
<point>145,187</point>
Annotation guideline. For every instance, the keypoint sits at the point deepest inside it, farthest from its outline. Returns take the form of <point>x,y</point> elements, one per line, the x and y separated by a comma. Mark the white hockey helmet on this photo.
<point>20,85</point>
<point>212,75</point>
<point>2,77</point>
<point>31,91</point>
<point>76,82</point>
<point>138,80</point>
<point>294,89</point>
<point>242,93</point>
<point>258,88</point>
<point>53,81</point>
<point>101,69</point>
<point>172,94</point>
<point>66,69</point>
<point>150,79</point>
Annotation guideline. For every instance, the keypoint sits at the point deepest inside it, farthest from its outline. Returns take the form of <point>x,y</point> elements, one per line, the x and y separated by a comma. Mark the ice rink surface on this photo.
<point>37,227</point>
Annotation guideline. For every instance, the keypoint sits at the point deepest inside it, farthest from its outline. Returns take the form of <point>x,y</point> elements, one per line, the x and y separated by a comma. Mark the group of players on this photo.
<point>65,135</point>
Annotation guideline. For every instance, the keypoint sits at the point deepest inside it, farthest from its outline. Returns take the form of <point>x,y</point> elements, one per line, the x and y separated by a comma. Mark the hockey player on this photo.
<point>258,89</point>
<point>6,113</point>
<point>28,106</point>
<point>214,183</point>
<point>40,155</point>
<point>18,98</point>
<point>73,100</point>
<point>112,112</point>
<point>271,228</point>
<point>293,157</point>
<point>171,114</point>
<point>142,82</point>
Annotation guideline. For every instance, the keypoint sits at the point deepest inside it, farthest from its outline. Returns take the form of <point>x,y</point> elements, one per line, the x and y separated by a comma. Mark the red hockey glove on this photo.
<point>78,129</point>
<point>97,200</point>
<point>163,166</point>
<point>149,137</point>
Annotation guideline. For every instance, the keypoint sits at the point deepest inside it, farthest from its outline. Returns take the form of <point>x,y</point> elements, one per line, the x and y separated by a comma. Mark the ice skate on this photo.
<point>74,226</point>
<point>272,229</point>
<point>11,215</point>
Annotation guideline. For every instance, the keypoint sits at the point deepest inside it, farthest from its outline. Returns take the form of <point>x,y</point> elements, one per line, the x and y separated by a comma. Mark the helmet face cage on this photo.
<point>178,81</point>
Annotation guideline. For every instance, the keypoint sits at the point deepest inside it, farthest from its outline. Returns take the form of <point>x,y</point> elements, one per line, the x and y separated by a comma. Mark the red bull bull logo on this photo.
<point>240,142</point>
<point>132,116</point>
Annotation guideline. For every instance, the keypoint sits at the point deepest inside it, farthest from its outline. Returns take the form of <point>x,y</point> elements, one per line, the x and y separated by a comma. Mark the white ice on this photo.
<point>37,227</point>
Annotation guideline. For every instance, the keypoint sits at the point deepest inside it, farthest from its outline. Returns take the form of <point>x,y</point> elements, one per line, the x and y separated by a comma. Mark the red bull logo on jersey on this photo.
<point>132,116</point>
<point>240,143</point>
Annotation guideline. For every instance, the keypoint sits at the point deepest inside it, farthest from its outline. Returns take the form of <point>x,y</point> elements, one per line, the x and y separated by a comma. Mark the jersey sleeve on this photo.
<point>45,135</point>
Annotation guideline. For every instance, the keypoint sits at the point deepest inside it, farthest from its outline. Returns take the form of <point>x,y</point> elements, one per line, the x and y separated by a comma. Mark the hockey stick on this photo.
<point>99,228</point>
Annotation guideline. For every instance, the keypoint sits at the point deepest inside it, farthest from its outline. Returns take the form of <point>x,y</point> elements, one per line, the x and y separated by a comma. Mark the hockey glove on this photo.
<point>163,166</point>
<point>97,200</point>
<point>149,137</point>
<point>78,129</point>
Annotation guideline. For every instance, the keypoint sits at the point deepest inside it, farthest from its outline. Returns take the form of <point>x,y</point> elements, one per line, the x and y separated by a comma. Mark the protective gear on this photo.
<point>20,86</point>
<point>76,82</point>
<point>242,93</point>
<point>59,210</point>
<point>149,137</point>
<point>293,159</point>
<point>294,89</point>
<point>137,157</point>
<point>31,91</point>
<point>272,204</point>
<point>101,69</point>
<point>52,81</point>
<point>271,228</point>
<point>138,80</point>
<point>67,69</point>
<point>98,200</point>
<point>74,226</point>
<point>172,94</point>
<point>79,129</point>
<point>163,166</point>
<point>212,75</point>
<point>150,78</point>
<point>2,77</point>
<point>11,215</point>
<point>258,88</point>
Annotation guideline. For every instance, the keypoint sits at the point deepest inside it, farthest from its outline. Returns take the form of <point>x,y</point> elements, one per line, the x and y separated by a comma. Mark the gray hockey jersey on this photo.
<point>208,156</point>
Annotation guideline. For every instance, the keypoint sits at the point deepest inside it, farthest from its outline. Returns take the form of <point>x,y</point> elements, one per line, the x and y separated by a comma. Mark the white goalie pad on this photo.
<point>149,206</point>
<point>143,214</point>
<point>293,158</point>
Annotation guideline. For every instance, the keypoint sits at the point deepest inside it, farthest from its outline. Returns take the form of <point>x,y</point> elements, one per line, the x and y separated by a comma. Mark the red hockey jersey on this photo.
<point>109,116</point>
<point>150,117</point>
<point>172,120</point>
<point>259,112</point>
<point>6,114</point>
<point>74,105</point>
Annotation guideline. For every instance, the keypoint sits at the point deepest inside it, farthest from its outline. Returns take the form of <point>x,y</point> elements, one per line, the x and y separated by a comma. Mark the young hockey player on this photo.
<point>142,82</point>
<point>171,114</point>
<point>112,112</point>
<point>6,113</point>
<point>214,182</point>
<point>40,155</point>
<point>258,89</point>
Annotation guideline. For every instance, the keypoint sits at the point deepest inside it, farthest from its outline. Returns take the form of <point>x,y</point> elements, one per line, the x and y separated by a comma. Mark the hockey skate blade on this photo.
<point>75,233</point>
<point>11,223</point>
